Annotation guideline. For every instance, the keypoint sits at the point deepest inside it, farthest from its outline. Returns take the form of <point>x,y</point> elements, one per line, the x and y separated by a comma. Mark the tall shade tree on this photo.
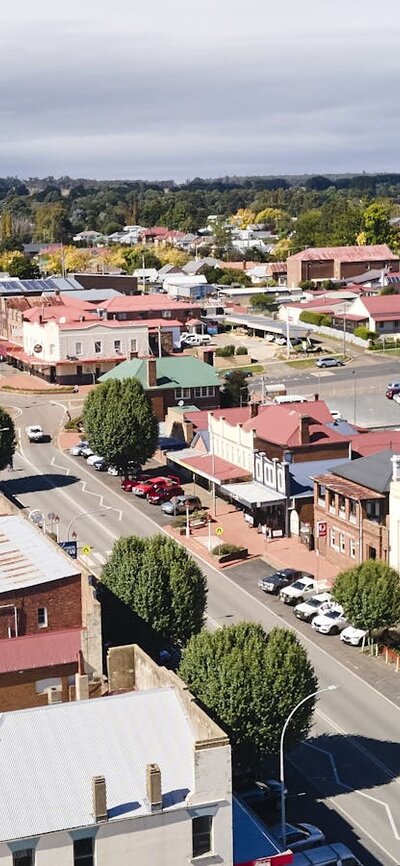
<point>7,439</point>
<point>369,594</point>
<point>160,582</point>
<point>250,681</point>
<point>120,423</point>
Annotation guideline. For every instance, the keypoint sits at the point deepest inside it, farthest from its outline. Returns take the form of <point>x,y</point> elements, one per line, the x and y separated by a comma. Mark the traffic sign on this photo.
<point>86,549</point>
<point>219,530</point>
<point>70,547</point>
<point>36,516</point>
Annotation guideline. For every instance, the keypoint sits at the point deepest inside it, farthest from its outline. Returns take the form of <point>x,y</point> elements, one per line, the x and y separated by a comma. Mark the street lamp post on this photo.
<point>354,397</point>
<point>281,755</point>
<point>82,514</point>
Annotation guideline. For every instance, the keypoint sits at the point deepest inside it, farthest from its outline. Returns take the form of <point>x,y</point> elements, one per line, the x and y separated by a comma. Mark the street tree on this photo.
<point>7,439</point>
<point>160,582</point>
<point>250,681</point>
<point>235,391</point>
<point>120,423</point>
<point>369,594</point>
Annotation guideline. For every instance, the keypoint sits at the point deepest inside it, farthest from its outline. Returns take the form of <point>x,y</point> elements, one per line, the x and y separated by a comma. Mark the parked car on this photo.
<point>353,636</point>
<point>396,398</point>
<point>269,338</point>
<point>100,465</point>
<point>274,582</point>
<point>331,622</point>
<point>195,339</point>
<point>329,362</point>
<point>77,449</point>
<point>299,590</point>
<point>179,504</point>
<point>142,488</point>
<point>86,452</point>
<point>307,610</point>
<point>335,854</point>
<point>255,793</point>
<point>392,388</point>
<point>162,494</point>
<point>281,341</point>
<point>94,458</point>
<point>299,836</point>
<point>112,470</point>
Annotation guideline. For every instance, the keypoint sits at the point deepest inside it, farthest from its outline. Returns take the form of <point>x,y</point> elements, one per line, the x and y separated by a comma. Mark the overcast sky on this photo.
<point>173,89</point>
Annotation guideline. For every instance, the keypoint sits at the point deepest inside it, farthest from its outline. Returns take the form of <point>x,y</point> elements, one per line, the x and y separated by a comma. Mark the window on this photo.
<point>182,393</point>
<point>201,835</point>
<point>210,392</point>
<point>117,345</point>
<point>373,510</point>
<point>78,348</point>
<point>352,548</point>
<point>83,852</point>
<point>342,505</point>
<point>333,538</point>
<point>321,494</point>
<point>51,348</point>
<point>97,347</point>
<point>166,314</point>
<point>371,552</point>
<point>134,345</point>
<point>42,617</point>
<point>197,392</point>
<point>353,510</point>
<point>25,857</point>
<point>342,543</point>
<point>331,500</point>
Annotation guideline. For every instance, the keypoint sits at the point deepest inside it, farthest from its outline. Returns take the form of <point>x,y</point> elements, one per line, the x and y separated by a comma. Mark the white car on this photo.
<point>281,341</point>
<point>307,610</point>
<point>34,433</point>
<point>112,470</point>
<point>353,636</point>
<point>269,338</point>
<point>77,449</point>
<point>195,339</point>
<point>396,398</point>
<point>94,458</point>
<point>86,452</point>
<point>298,591</point>
<point>331,622</point>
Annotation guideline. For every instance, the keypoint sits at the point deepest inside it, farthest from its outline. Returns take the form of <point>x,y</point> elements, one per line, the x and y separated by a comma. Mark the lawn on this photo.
<point>249,368</point>
<point>301,364</point>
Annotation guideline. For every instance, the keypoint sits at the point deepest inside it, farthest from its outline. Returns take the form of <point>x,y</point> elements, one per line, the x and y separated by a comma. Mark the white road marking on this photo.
<point>57,466</point>
<point>89,492</point>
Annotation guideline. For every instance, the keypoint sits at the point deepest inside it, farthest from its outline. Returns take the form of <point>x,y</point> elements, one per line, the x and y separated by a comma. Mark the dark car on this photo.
<point>100,466</point>
<point>257,793</point>
<point>163,494</point>
<point>179,504</point>
<point>278,580</point>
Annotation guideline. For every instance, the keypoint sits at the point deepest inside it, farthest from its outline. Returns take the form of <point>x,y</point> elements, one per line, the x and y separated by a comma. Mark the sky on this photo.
<point>170,89</point>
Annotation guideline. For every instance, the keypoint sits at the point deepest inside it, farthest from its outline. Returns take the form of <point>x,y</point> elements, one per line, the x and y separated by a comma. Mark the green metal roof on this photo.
<point>184,372</point>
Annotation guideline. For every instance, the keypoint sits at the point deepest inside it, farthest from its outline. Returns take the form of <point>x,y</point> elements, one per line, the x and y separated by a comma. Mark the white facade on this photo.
<point>394,516</point>
<point>231,443</point>
<point>54,341</point>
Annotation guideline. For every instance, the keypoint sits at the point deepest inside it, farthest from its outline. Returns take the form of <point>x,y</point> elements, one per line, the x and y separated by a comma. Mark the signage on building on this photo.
<point>38,348</point>
<point>70,547</point>
<point>271,473</point>
<point>276,860</point>
<point>322,528</point>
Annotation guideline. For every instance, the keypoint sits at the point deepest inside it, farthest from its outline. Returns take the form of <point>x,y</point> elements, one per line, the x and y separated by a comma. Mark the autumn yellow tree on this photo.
<point>270,216</point>
<point>172,256</point>
<point>243,218</point>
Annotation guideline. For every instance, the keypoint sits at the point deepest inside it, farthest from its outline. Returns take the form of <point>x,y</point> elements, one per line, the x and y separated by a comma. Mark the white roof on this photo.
<point>27,558</point>
<point>50,754</point>
<point>252,492</point>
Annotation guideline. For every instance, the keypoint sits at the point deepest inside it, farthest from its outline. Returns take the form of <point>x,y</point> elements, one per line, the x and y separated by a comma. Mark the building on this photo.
<point>109,782</point>
<point>147,306</point>
<point>338,263</point>
<point>124,283</point>
<point>394,514</point>
<point>351,510</point>
<point>172,381</point>
<point>380,314</point>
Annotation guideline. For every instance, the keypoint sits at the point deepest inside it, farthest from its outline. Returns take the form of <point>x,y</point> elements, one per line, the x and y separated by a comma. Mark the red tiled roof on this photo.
<point>73,324</point>
<point>39,650</point>
<point>140,303</point>
<point>316,302</point>
<point>54,314</point>
<point>347,254</point>
<point>233,416</point>
<point>214,467</point>
<point>382,305</point>
<point>365,444</point>
<point>281,424</point>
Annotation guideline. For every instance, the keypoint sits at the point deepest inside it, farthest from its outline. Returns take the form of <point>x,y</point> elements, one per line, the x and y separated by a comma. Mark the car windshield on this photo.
<point>333,614</point>
<point>314,602</point>
<point>299,584</point>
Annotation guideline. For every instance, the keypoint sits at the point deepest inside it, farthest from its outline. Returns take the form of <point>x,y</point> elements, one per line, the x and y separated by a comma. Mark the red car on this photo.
<point>142,488</point>
<point>163,494</point>
<point>128,483</point>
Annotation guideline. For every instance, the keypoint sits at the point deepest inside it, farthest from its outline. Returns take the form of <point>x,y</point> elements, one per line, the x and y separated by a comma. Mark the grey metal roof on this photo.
<point>27,558</point>
<point>50,754</point>
<point>374,471</point>
<point>266,324</point>
<point>302,474</point>
<point>94,295</point>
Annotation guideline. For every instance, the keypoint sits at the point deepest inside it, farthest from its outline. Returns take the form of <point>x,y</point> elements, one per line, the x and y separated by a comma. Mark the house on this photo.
<point>274,271</point>
<point>145,276</point>
<point>171,381</point>
<point>142,775</point>
<point>123,283</point>
<point>380,314</point>
<point>338,263</point>
<point>351,510</point>
<point>149,306</point>
<point>90,238</point>
<point>198,266</point>
<point>50,620</point>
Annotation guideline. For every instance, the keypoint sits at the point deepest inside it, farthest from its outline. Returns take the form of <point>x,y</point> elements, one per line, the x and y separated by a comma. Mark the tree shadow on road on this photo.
<point>36,483</point>
<point>338,763</point>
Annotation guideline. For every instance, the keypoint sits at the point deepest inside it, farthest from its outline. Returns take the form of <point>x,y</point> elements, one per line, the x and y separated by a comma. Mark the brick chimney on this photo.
<point>303,429</point>
<point>151,372</point>
<point>81,687</point>
<point>254,407</point>
<point>153,787</point>
<point>99,795</point>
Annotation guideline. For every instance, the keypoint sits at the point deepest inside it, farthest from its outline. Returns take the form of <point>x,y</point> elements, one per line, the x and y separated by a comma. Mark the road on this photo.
<point>353,756</point>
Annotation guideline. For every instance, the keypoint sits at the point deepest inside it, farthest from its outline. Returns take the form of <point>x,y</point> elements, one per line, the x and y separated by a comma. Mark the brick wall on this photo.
<point>18,689</point>
<point>62,599</point>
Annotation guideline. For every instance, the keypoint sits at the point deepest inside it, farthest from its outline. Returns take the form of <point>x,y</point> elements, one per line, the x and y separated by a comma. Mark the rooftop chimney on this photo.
<point>151,372</point>
<point>254,407</point>
<point>153,787</point>
<point>304,431</point>
<point>99,798</point>
<point>81,687</point>
<point>316,397</point>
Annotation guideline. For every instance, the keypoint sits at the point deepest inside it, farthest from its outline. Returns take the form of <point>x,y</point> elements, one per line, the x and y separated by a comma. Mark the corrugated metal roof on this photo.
<point>50,754</point>
<point>183,372</point>
<point>39,650</point>
<point>27,558</point>
<point>372,252</point>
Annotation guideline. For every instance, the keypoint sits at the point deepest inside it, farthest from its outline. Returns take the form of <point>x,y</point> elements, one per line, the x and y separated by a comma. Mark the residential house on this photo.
<point>338,263</point>
<point>380,314</point>
<point>90,238</point>
<point>124,283</point>
<point>147,306</point>
<point>351,510</point>
<point>172,381</point>
<point>198,266</point>
<point>274,271</point>
<point>145,276</point>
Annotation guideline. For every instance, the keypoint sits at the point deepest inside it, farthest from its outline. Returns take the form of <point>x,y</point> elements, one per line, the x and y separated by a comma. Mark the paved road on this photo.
<point>353,757</point>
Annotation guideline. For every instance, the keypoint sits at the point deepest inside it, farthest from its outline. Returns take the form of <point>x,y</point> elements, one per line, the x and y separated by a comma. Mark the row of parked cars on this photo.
<point>299,589</point>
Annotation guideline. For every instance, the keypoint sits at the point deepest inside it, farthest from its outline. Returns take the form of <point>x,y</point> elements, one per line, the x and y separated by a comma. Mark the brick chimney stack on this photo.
<point>303,429</point>
<point>153,787</point>
<point>254,407</point>
<point>99,799</point>
<point>151,372</point>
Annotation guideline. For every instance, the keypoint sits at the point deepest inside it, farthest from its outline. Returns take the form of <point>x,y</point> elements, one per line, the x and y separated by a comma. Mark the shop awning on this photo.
<point>252,493</point>
<point>207,466</point>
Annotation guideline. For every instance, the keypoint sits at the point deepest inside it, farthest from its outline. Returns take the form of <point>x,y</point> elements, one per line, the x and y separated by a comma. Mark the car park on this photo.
<point>392,389</point>
<point>299,590</point>
<point>77,449</point>
<point>162,494</point>
<point>353,636</point>
<point>307,610</point>
<point>179,504</point>
<point>299,836</point>
<point>143,488</point>
<point>112,470</point>
<point>274,582</point>
<point>331,622</point>
<point>329,362</point>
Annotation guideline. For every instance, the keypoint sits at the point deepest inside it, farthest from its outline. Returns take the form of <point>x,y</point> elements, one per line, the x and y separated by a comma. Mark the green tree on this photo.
<point>135,256</point>
<point>377,225</point>
<point>235,390</point>
<point>262,301</point>
<point>369,594</point>
<point>160,582</point>
<point>24,269</point>
<point>307,231</point>
<point>7,439</point>
<point>389,290</point>
<point>250,681</point>
<point>120,423</point>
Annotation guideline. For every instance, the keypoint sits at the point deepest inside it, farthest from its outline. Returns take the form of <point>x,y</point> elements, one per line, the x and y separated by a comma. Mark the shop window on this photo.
<point>201,835</point>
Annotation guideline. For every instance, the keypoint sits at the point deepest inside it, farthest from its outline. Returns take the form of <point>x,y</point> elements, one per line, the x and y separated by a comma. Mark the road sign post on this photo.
<point>219,532</point>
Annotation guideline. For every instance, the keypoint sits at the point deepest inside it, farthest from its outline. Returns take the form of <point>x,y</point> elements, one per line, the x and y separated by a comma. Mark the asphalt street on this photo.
<point>353,756</point>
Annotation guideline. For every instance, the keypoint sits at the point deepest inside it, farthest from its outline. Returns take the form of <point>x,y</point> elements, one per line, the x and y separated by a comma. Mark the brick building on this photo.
<point>339,263</point>
<point>351,510</point>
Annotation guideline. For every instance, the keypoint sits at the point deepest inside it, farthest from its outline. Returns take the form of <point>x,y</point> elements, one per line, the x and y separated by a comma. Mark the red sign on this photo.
<point>276,860</point>
<point>322,528</point>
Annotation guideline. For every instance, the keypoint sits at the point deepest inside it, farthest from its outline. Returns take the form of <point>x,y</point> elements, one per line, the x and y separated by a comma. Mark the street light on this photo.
<point>281,756</point>
<point>354,397</point>
<point>82,514</point>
